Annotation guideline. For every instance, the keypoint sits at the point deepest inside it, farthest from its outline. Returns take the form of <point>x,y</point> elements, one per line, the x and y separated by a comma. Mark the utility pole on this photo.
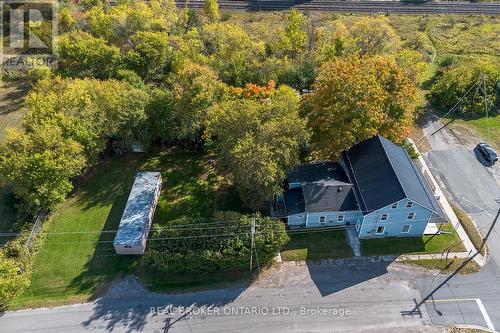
<point>252,244</point>
<point>417,306</point>
<point>478,85</point>
<point>485,92</point>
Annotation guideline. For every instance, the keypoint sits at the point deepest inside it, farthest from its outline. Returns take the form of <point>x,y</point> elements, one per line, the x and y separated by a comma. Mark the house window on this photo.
<point>322,219</point>
<point>384,217</point>
<point>380,230</point>
<point>409,204</point>
<point>406,229</point>
<point>394,205</point>
<point>340,218</point>
<point>411,216</point>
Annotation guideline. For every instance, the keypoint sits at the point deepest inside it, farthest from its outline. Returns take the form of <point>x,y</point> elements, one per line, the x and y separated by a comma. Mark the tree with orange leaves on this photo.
<point>355,98</point>
<point>254,91</point>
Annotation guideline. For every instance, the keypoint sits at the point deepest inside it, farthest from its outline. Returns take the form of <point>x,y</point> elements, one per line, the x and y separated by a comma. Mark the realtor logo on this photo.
<point>28,30</point>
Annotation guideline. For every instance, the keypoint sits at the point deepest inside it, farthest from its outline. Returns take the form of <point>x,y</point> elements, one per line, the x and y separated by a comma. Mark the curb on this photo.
<point>446,207</point>
<point>474,327</point>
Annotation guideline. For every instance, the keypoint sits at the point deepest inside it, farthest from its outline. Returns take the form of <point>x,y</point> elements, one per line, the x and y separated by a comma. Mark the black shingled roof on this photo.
<point>294,201</point>
<point>324,187</point>
<point>383,173</point>
<point>318,172</point>
<point>324,198</point>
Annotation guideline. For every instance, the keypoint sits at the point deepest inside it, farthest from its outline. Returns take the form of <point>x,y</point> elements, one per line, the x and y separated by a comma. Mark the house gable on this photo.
<point>383,173</point>
<point>324,187</point>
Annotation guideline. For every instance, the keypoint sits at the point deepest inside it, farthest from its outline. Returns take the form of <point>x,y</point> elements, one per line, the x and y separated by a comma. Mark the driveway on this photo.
<point>474,187</point>
<point>342,296</point>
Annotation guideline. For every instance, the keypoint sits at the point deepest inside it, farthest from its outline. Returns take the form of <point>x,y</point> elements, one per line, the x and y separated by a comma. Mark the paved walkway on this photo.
<point>445,206</point>
<point>432,256</point>
<point>353,240</point>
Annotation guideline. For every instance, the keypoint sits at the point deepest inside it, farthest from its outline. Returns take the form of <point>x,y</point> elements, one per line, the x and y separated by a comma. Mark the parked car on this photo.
<point>488,152</point>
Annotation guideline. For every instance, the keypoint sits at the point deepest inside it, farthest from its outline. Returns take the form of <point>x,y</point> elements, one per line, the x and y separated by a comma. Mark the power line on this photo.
<point>464,263</point>
<point>164,228</point>
<point>152,239</point>
<point>453,108</point>
<point>216,225</point>
<point>485,92</point>
<point>243,226</point>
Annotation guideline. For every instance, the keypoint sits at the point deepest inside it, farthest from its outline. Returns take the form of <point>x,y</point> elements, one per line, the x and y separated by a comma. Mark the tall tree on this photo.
<point>231,52</point>
<point>293,39</point>
<point>454,80</point>
<point>355,98</point>
<point>178,113</point>
<point>374,35</point>
<point>211,9</point>
<point>39,164</point>
<point>149,54</point>
<point>332,40</point>
<point>88,111</point>
<point>259,135</point>
<point>83,55</point>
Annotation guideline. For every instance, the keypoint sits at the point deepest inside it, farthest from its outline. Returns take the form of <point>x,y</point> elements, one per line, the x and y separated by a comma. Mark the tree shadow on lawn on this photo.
<point>12,96</point>
<point>192,186</point>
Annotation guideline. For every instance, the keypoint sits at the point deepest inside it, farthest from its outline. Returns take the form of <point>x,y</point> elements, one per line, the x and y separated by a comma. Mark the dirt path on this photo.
<point>12,94</point>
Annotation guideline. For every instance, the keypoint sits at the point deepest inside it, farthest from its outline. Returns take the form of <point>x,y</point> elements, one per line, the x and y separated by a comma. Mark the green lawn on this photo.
<point>470,228</point>
<point>481,126</point>
<point>447,266</point>
<point>316,245</point>
<point>73,267</point>
<point>413,245</point>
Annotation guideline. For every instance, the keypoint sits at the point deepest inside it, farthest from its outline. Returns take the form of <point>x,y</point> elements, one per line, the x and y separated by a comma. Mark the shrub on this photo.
<point>455,80</point>
<point>39,73</point>
<point>193,246</point>
<point>15,270</point>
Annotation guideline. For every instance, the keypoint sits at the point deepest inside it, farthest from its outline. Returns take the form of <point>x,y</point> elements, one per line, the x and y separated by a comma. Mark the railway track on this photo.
<point>393,7</point>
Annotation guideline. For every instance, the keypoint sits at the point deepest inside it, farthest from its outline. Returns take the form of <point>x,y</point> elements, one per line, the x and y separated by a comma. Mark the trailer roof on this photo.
<point>135,217</point>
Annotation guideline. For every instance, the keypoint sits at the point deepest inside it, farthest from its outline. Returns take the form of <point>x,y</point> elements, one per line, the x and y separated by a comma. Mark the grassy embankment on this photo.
<point>446,266</point>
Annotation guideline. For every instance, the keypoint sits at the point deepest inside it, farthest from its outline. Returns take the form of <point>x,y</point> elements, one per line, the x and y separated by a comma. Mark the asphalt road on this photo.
<point>394,7</point>
<point>474,186</point>
<point>331,296</point>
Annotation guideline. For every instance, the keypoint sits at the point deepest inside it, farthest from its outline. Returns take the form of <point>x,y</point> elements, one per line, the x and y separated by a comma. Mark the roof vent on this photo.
<point>339,189</point>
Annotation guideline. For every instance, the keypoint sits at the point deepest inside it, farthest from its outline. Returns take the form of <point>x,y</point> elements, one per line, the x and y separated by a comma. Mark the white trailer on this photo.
<point>135,224</point>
